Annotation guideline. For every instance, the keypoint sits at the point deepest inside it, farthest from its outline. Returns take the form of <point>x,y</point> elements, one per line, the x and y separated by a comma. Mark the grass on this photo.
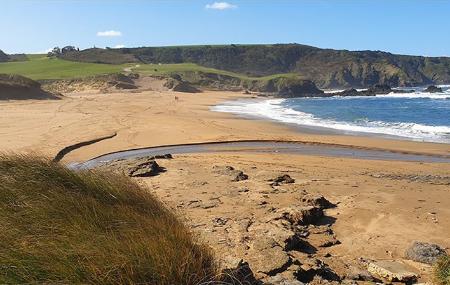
<point>40,67</point>
<point>163,69</point>
<point>442,271</point>
<point>60,226</point>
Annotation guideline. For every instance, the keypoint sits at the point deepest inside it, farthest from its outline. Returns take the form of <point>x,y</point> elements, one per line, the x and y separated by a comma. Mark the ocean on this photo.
<point>416,116</point>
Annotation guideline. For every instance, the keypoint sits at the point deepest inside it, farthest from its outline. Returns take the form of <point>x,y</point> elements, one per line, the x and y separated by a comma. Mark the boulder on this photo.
<point>424,252</point>
<point>282,179</point>
<point>317,201</point>
<point>303,215</point>
<point>146,169</point>
<point>240,176</point>
<point>392,271</point>
<point>433,89</point>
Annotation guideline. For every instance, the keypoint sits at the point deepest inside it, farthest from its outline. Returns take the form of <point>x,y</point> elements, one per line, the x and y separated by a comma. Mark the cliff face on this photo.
<point>3,57</point>
<point>327,68</point>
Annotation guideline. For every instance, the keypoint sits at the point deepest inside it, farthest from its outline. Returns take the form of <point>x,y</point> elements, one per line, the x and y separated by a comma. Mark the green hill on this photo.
<point>326,67</point>
<point>40,67</point>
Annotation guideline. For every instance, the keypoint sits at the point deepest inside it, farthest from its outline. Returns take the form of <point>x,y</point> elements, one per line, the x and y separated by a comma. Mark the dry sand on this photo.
<point>382,206</point>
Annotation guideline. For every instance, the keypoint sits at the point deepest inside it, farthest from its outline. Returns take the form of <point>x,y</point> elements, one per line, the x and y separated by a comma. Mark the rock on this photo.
<point>282,179</point>
<point>281,280</point>
<point>303,215</point>
<point>360,274</point>
<point>163,156</point>
<point>230,170</point>
<point>240,176</point>
<point>315,268</point>
<point>391,271</point>
<point>433,89</point>
<point>239,274</point>
<point>317,201</point>
<point>424,252</point>
<point>150,168</point>
<point>264,247</point>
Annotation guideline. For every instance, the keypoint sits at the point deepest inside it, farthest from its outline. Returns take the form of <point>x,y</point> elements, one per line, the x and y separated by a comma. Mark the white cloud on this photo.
<point>220,6</point>
<point>110,33</point>
<point>119,46</point>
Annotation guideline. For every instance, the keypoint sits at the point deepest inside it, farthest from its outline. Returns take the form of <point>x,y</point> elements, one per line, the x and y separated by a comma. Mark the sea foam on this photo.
<point>275,110</point>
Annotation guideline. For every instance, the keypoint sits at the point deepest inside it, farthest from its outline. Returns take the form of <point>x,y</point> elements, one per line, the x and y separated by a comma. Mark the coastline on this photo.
<point>153,118</point>
<point>382,206</point>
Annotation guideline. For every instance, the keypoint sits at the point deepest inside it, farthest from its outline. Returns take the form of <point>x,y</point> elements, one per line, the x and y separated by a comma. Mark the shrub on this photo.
<point>62,226</point>
<point>442,271</point>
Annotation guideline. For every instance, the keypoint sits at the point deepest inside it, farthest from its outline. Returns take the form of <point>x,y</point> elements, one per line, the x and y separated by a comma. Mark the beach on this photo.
<point>381,206</point>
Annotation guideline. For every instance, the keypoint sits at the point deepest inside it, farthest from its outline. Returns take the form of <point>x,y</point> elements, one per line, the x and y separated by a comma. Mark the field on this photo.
<point>40,67</point>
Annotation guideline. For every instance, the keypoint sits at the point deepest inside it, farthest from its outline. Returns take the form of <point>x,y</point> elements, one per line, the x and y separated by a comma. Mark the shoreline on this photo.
<point>240,103</point>
<point>153,118</point>
<point>382,205</point>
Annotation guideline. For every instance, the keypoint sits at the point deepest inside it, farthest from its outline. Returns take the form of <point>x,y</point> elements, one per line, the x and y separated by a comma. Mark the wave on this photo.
<point>443,95</point>
<point>273,109</point>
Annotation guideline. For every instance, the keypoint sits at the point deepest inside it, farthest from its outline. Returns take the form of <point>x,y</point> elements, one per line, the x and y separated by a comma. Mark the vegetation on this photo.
<point>40,67</point>
<point>442,271</point>
<point>326,67</point>
<point>17,87</point>
<point>60,226</point>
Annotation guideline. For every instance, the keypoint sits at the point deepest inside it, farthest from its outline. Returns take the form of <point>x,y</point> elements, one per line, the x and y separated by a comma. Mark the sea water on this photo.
<point>417,116</point>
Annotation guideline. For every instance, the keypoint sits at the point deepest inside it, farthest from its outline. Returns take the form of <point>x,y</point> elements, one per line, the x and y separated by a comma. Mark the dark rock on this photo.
<point>379,89</point>
<point>433,89</point>
<point>240,176</point>
<point>146,169</point>
<point>318,201</point>
<point>241,274</point>
<point>282,179</point>
<point>424,252</point>
<point>163,156</point>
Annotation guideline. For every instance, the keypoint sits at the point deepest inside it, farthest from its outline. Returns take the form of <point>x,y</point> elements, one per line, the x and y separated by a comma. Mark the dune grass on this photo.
<point>61,226</point>
<point>442,271</point>
<point>40,67</point>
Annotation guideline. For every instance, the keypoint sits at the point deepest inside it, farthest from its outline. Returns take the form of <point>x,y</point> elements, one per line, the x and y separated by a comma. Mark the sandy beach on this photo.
<point>382,207</point>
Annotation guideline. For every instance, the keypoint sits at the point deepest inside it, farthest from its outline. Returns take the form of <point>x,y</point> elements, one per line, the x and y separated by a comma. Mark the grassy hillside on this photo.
<point>326,67</point>
<point>58,226</point>
<point>41,67</point>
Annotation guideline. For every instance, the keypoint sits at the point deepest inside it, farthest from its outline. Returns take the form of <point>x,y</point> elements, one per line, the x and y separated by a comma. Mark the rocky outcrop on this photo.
<point>178,85</point>
<point>433,89</point>
<point>102,83</point>
<point>16,87</point>
<point>146,169</point>
<point>372,91</point>
<point>392,271</point>
<point>282,179</point>
<point>424,252</point>
<point>3,57</point>
<point>137,167</point>
<point>285,87</point>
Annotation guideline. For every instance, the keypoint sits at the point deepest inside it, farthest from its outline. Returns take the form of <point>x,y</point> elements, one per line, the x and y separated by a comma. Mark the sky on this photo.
<point>417,27</point>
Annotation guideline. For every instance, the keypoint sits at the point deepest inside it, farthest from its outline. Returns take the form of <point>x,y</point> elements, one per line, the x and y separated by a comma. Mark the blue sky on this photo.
<point>420,27</point>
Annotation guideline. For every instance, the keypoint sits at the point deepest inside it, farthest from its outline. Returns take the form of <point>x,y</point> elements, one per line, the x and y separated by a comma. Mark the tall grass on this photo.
<point>442,271</point>
<point>61,226</point>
